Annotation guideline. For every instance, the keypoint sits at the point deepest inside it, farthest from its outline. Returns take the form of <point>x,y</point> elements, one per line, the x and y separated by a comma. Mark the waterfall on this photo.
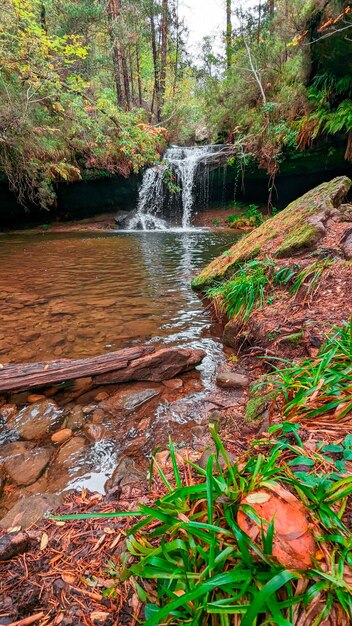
<point>185,166</point>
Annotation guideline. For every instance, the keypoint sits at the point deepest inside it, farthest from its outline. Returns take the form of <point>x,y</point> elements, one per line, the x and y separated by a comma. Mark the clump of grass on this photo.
<point>245,291</point>
<point>192,563</point>
<point>320,385</point>
<point>251,217</point>
<point>310,276</point>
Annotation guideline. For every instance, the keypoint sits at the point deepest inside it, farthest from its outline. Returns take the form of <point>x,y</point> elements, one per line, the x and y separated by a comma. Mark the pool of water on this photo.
<point>79,295</point>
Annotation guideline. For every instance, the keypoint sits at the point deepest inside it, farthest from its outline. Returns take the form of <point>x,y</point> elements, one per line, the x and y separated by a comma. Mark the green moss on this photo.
<point>300,239</point>
<point>295,338</point>
<point>259,399</point>
<point>292,224</point>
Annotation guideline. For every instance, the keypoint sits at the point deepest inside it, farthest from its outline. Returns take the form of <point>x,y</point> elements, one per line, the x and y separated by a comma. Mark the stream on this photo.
<point>79,295</point>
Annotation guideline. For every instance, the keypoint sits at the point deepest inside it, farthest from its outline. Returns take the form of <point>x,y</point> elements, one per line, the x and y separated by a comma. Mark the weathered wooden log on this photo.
<point>22,377</point>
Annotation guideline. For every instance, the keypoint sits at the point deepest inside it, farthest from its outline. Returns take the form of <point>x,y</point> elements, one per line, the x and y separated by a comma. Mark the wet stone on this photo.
<point>76,418</point>
<point>94,432</point>
<point>37,420</point>
<point>33,398</point>
<point>27,468</point>
<point>61,435</point>
<point>8,411</point>
<point>15,449</point>
<point>129,400</point>
<point>70,451</point>
<point>173,384</point>
<point>29,510</point>
<point>231,380</point>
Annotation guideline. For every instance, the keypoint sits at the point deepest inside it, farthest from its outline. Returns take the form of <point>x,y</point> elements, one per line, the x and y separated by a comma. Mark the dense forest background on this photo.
<point>92,86</point>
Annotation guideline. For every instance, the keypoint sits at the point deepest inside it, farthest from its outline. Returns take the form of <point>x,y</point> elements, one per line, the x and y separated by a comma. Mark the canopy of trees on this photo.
<point>102,85</point>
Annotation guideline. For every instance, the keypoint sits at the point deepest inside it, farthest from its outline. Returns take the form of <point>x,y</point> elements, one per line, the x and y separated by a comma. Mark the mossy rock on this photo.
<point>297,228</point>
<point>259,399</point>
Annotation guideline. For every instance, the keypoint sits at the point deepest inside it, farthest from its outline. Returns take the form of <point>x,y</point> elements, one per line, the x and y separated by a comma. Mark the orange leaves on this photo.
<point>293,541</point>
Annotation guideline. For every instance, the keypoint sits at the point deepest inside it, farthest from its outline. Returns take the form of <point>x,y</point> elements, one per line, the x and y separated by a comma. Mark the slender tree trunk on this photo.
<point>164,47</point>
<point>155,52</point>
<point>43,17</point>
<point>139,76</point>
<point>126,79</point>
<point>113,13</point>
<point>228,32</point>
<point>271,7</point>
<point>130,62</point>
<point>259,32</point>
<point>177,51</point>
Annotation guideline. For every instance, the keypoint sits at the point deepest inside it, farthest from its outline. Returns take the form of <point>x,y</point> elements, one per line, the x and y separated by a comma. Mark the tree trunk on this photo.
<point>130,62</point>
<point>155,52</point>
<point>113,13</point>
<point>271,7</point>
<point>126,80</point>
<point>228,33</point>
<point>164,46</point>
<point>177,51</point>
<point>139,76</point>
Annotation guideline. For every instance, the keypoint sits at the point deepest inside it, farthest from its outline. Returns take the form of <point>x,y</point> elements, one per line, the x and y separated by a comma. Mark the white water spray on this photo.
<point>184,163</point>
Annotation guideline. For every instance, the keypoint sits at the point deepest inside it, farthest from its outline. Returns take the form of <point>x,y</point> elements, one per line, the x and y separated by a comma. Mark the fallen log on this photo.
<point>140,363</point>
<point>22,377</point>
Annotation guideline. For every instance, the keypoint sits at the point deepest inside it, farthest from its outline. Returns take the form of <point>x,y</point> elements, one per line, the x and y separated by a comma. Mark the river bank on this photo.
<point>284,324</point>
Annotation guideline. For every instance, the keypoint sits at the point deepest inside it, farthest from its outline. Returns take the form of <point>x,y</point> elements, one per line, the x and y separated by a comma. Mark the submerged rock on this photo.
<point>36,420</point>
<point>76,418</point>
<point>70,451</point>
<point>129,399</point>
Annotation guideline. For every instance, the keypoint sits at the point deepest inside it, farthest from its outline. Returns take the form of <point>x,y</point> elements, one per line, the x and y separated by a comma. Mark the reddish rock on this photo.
<point>161,365</point>
<point>8,411</point>
<point>36,420</point>
<point>33,398</point>
<point>94,432</point>
<point>231,380</point>
<point>70,451</point>
<point>29,510</point>
<point>173,384</point>
<point>102,395</point>
<point>26,469</point>
<point>61,435</point>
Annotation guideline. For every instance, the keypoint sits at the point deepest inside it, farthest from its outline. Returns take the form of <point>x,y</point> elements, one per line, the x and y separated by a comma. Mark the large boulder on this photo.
<point>161,365</point>
<point>297,228</point>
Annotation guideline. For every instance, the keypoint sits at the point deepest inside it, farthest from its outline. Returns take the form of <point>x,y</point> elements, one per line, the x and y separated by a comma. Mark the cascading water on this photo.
<point>184,164</point>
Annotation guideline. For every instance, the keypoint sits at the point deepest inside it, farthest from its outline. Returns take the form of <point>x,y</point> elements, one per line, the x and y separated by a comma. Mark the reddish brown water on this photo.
<point>78,295</point>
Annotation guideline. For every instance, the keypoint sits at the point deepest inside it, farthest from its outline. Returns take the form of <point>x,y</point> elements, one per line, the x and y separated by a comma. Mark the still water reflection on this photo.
<point>80,295</point>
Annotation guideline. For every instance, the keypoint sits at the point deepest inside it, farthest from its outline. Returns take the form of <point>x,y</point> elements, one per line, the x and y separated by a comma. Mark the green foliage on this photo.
<point>53,122</point>
<point>245,291</point>
<point>252,217</point>
<point>191,562</point>
<point>322,385</point>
